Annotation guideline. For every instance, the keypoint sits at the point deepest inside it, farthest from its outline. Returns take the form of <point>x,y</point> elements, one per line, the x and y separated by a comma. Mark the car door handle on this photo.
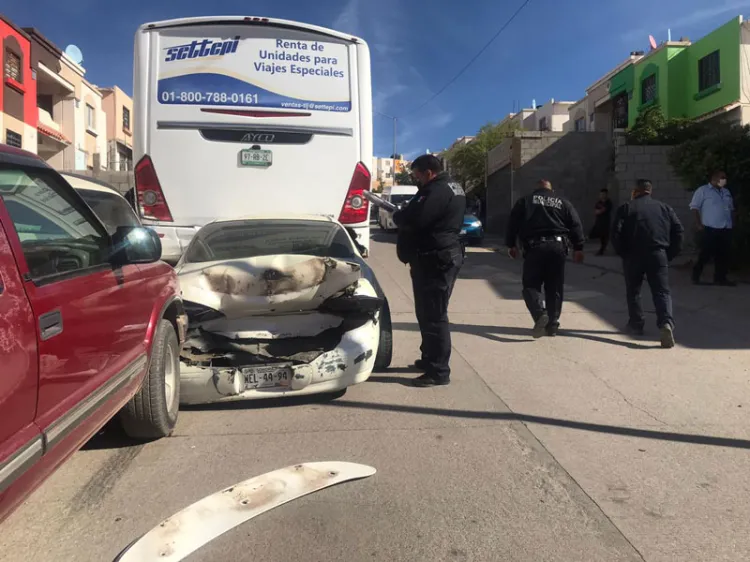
<point>50,324</point>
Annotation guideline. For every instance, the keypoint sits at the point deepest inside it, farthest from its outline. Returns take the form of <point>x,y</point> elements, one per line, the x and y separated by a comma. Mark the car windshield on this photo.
<point>233,240</point>
<point>470,218</point>
<point>111,209</point>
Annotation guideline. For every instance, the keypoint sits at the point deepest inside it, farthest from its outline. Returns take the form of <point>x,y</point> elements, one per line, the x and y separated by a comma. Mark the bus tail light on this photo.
<point>151,201</point>
<point>356,208</point>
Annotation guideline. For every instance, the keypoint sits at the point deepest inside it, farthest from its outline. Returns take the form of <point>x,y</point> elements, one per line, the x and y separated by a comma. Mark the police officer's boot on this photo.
<point>540,326</point>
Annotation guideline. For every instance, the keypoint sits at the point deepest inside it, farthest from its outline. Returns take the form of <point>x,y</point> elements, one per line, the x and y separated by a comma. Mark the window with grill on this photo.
<point>126,118</point>
<point>12,65</point>
<point>648,89</point>
<point>543,124</point>
<point>709,71</point>
<point>620,114</point>
<point>580,124</point>
<point>13,139</point>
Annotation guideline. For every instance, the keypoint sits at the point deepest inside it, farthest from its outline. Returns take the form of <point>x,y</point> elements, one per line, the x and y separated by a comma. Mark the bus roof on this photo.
<point>249,20</point>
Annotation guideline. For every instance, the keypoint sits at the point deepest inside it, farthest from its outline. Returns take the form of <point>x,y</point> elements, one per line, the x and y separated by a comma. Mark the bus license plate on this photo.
<point>253,157</point>
<point>267,376</point>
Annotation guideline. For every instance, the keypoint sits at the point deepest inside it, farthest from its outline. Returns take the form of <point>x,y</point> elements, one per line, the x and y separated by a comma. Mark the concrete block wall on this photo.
<point>652,162</point>
<point>577,164</point>
<point>121,181</point>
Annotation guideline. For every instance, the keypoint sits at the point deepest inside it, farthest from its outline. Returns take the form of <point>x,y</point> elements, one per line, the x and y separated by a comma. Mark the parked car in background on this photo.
<point>279,306</point>
<point>398,195</point>
<point>472,231</point>
<point>91,324</point>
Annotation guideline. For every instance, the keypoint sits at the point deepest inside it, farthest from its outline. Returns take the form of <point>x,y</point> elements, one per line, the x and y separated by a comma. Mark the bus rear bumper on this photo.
<point>174,240</point>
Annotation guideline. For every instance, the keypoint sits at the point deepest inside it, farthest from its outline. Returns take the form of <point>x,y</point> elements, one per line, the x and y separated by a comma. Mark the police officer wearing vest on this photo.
<point>545,223</point>
<point>428,240</point>
<point>647,235</point>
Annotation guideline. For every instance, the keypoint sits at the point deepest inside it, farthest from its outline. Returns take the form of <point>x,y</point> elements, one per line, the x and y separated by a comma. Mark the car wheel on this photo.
<point>152,413</point>
<point>385,348</point>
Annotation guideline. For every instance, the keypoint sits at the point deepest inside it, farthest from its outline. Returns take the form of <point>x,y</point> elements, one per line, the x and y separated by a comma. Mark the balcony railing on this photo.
<point>46,119</point>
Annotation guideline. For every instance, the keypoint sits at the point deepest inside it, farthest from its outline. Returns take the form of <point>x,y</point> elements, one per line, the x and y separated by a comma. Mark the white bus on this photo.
<point>239,116</point>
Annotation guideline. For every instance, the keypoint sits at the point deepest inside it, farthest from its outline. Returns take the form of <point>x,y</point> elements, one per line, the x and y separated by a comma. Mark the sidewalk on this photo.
<point>613,263</point>
<point>686,296</point>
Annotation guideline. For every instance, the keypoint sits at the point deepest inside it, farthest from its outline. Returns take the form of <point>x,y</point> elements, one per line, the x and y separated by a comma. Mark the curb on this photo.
<point>682,263</point>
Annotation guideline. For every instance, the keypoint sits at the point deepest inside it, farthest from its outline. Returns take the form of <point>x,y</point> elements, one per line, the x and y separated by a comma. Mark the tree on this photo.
<point>403,177</point>
<point>468,161</point>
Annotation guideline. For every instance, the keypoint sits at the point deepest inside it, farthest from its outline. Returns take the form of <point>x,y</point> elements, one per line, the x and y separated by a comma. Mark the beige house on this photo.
<point>552,116</point>
<point>95,126</point>
<point>119,109</point>
<point>599,111</point>
<point>71,129</point>
<point>384,171</point>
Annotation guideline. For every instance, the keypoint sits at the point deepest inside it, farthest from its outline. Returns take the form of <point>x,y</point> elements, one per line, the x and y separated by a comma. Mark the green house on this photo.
<point>700,80</point>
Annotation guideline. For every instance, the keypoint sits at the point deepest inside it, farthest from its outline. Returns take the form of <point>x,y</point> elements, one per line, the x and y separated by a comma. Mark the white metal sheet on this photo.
<point>178,536</point>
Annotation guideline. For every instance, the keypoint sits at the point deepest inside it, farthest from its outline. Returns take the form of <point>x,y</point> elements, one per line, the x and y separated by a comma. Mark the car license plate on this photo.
<point>463,231</point>
<point>256,158</point>
<point>267,376</point>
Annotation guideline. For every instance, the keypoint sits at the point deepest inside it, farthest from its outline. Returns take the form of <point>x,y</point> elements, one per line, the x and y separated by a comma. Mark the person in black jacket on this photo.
<point>428,240</point>
<point>544,222</point>
<point>648,235</point>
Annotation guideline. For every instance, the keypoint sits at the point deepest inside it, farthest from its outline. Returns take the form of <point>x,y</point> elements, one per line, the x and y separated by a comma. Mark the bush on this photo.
<point>699,150</point>
<point>725,147</point>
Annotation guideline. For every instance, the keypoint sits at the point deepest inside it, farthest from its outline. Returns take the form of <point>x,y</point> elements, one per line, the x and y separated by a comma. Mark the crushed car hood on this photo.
<point>266,284</point>
<point>274,308</point>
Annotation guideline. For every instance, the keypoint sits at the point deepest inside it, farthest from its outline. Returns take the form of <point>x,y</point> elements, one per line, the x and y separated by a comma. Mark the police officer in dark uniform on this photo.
<point>545,223</point>
<point>648,235</point>
<point>428,240</point>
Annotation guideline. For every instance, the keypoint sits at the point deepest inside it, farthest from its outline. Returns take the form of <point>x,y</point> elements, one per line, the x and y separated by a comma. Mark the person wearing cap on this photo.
<point>545,223</point>
<point>647,235</point>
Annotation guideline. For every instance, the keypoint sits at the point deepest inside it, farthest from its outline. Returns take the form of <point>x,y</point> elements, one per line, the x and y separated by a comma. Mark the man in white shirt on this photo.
<point>713,208</point>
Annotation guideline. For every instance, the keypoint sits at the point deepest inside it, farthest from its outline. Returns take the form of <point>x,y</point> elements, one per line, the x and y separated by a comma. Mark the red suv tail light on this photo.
<point>151,201</point>
<point>356,207</point>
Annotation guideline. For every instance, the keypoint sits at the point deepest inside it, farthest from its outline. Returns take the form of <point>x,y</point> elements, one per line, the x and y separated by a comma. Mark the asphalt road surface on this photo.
<point>587,447</point>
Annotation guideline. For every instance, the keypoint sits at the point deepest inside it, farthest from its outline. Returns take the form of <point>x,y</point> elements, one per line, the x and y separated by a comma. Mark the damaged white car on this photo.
<point>279,307</point>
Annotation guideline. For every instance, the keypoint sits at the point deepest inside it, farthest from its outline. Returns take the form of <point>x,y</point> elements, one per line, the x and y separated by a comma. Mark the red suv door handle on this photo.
<point>50,324</point>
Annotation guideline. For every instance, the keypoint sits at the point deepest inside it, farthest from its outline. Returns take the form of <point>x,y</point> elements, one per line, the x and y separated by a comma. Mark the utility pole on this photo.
<point>394,137</point>
<point>393,155</point>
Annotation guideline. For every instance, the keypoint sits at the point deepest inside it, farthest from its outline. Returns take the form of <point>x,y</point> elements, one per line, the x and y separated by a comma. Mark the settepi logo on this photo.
<point>201,48</point>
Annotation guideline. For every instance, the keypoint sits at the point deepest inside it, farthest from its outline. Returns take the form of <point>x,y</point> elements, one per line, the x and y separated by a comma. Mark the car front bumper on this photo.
<point>472,232</point>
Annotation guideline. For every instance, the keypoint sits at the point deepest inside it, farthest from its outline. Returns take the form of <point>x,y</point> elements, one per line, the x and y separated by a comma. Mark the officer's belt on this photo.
<point>539,239</point>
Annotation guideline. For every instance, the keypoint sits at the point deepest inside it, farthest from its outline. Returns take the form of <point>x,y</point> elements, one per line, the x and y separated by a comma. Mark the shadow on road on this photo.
<point>713,325</point>
<point>267,403</point>
<point>490,333</point>
<point>556,422</point>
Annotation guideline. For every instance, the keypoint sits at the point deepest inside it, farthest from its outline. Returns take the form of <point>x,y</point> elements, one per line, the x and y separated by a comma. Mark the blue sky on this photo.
<point>554,49</point>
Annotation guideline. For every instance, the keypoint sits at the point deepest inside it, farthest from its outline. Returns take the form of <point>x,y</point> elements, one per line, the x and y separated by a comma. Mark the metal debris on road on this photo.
<point>180,535</point>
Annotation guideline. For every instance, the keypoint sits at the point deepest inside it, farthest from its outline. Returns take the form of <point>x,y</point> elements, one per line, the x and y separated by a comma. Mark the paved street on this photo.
<point>587,447</point>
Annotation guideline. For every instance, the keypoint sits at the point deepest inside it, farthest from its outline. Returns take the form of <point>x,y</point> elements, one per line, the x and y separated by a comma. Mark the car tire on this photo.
<point>384,355</point>
<point>152,412</point>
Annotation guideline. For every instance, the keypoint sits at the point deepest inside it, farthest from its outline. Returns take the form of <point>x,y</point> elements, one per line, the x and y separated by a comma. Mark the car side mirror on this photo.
<point>135,244</point>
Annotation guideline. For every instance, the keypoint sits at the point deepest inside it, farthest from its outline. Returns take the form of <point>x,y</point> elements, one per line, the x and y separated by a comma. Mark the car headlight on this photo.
<point>475,223</point>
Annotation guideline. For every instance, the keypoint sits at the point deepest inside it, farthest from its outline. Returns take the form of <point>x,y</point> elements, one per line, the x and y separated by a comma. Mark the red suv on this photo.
<point>91,325</point>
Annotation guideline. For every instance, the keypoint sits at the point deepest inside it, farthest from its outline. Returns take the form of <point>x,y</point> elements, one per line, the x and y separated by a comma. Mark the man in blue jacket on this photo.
<point>648,235</point>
